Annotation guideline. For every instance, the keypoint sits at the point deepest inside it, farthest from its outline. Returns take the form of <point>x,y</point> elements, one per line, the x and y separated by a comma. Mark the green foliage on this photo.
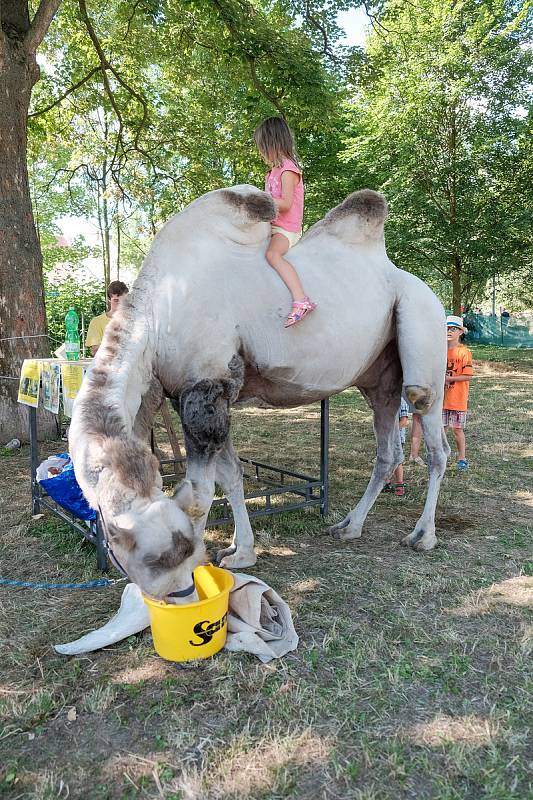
<point>87,297</point>
<point>434,113</point>
<point>438,121</point>
<point>196,78</point>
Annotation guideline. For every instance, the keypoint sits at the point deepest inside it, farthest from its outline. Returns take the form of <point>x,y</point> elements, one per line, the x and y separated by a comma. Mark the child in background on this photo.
<point>284,182</point>
<point>458,374</point>
<point>416,441</point>
<point>403,420</point>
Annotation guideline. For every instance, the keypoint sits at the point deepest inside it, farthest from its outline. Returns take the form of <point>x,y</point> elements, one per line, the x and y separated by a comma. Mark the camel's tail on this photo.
<point>421,337</point>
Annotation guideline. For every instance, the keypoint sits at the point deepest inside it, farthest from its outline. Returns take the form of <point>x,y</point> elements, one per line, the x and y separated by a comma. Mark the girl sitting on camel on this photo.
<point>284,182</point>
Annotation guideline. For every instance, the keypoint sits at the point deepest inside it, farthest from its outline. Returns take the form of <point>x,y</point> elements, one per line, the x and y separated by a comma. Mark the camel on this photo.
<point>203,325</point>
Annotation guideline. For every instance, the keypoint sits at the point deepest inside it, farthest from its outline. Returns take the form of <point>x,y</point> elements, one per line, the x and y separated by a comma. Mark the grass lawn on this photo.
<point>413,674</point>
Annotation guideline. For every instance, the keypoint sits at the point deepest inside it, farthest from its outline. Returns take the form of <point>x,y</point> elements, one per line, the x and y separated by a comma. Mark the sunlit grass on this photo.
<point>413,674</point>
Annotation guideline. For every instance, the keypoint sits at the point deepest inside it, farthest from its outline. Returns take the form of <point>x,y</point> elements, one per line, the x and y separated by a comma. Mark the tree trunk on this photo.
<point>23,329</point>
<point>456,285</point>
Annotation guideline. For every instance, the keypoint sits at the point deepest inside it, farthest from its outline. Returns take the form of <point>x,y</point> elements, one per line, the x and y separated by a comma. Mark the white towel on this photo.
<point>259,622</point>
<point>131,618</point>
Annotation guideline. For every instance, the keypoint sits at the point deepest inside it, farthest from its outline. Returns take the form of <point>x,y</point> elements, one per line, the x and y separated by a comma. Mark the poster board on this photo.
<point>51,385</point>
<point>30,381</point>
<point>71,377</point>
<point>46,380</point>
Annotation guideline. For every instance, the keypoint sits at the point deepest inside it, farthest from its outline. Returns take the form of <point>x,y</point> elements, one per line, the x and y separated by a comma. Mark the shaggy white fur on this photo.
<point>206,295</point>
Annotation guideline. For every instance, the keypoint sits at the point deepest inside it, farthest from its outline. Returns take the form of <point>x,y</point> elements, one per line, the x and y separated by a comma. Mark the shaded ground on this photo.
<point>412,678</point>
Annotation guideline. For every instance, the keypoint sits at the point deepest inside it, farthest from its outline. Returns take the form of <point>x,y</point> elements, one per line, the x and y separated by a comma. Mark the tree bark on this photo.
<point>23,329</point>
<point>456,284</point>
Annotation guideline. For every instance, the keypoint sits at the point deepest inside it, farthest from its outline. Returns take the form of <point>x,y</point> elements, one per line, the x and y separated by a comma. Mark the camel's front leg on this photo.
<point>423,536</point>
<point>385,405</point>
<point>204,412</point>
<point>204,409</point>
<point>241,552</point>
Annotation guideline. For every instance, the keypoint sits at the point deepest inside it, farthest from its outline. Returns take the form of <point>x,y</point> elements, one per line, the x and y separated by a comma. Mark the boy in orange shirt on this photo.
<point>458,374</point>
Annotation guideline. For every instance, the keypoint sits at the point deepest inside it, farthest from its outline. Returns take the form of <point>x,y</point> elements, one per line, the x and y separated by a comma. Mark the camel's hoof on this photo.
<point>238,560</point>
<point>343,532</point>
<point>420,541</point>
<point>222,554</point>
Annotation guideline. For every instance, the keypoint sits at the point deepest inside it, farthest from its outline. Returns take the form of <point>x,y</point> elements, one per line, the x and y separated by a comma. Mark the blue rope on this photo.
<point>97,584</point>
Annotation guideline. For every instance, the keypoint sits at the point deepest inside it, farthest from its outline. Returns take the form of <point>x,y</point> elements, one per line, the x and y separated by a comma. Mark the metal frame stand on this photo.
<point>298,490</point>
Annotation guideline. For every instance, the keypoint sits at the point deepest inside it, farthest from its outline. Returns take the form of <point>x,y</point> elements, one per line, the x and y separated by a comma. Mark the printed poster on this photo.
<point>30,378</point>
<point>51,379</point>
<point>71,376</point>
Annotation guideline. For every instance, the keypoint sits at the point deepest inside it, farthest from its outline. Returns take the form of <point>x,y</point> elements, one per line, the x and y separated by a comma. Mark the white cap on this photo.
<point>455,322</point>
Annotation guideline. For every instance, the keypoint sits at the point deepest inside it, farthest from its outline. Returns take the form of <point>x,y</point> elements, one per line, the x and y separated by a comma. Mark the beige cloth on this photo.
<point>259,622</point>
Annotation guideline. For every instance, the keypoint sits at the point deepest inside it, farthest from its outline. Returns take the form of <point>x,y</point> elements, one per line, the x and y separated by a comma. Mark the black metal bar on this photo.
<point>324,456</point>
<point>264,512</point>
<point>101,552</point>
<point>34,460</point>
<point>50,504</point>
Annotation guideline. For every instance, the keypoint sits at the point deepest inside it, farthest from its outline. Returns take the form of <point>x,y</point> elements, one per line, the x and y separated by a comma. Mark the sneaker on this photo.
<point>418,460</point>
<point>462,465</point>
<point>388,488</point>
<point>399,489</point>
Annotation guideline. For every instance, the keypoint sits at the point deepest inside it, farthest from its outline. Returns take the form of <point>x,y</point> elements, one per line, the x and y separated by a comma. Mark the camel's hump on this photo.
<point>361,215</point>
<point>366,203</point>
<point>257,206</point>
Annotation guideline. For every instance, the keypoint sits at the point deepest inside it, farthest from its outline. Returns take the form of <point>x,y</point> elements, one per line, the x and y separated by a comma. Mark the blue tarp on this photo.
<point>65,490</point>
<point>504,331</point>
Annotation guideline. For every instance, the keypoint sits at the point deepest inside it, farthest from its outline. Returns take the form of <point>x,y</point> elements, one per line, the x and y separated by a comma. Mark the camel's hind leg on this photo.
<point>241,552</point>
<point>381,386</point>
<point>423,536</point>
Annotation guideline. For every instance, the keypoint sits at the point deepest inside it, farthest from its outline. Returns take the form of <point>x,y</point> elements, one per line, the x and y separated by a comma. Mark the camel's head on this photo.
<point>153,543</point>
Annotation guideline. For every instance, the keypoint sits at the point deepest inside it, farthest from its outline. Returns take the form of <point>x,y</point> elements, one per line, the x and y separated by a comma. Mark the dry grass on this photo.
<point>413,676</point>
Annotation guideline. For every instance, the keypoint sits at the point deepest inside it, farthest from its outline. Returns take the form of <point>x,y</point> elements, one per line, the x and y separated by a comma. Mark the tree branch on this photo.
<point>40,24</point>
<point>130,20</point>
<point>249,58</point>
<point>430,260</point>
<point>106,65</point>
<point>326,49</point>
<point>65,94</point>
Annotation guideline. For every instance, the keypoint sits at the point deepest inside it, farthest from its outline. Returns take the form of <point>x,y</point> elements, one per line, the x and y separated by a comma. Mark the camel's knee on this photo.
<point>421,397</point>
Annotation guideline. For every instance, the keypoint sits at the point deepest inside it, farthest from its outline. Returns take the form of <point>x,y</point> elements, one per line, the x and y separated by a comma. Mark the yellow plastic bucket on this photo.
<point>195,630</point>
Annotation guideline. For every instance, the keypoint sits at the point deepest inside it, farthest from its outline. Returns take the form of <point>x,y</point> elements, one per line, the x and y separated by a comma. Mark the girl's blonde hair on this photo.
<point>275,141</point>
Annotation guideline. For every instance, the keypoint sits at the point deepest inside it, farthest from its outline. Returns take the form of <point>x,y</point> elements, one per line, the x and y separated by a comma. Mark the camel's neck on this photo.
<point>121,374</point>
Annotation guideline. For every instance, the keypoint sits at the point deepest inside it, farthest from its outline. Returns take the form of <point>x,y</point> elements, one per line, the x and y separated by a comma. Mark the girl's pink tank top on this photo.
<point>290,220</point>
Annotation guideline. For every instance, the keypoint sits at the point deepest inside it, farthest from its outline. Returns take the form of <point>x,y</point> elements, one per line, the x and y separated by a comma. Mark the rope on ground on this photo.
<point>96,584</point>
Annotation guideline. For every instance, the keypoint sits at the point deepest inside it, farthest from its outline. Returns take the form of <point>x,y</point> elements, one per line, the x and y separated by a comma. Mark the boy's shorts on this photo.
<point>292,236</point>
<point>453,419</point>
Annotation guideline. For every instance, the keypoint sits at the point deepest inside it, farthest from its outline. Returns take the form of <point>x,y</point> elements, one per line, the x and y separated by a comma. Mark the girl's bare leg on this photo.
<point>279,244</point>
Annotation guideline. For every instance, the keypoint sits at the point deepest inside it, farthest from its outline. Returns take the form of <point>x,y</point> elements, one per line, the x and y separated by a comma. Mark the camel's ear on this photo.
<point>120,531</point>
<point>184,495</point>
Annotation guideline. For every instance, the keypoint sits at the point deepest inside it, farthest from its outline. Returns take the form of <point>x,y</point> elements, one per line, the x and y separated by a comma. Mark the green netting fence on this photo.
<point>513,331</point>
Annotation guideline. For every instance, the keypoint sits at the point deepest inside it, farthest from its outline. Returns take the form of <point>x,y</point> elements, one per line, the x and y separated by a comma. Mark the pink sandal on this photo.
<point>299,310</point>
